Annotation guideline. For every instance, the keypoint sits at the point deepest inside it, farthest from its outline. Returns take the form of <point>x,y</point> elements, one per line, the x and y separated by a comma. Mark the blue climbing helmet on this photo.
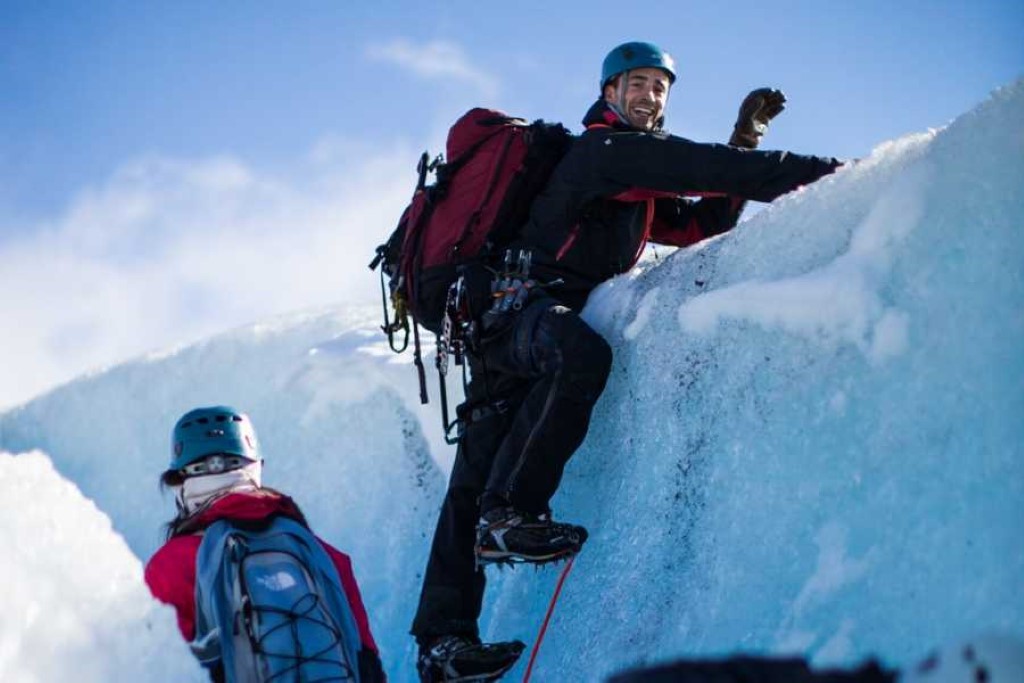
<point>213,431</point>
<point>636,55</point>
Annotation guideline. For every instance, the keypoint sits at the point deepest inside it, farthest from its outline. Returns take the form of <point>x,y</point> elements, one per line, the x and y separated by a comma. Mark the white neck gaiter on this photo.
<point>196,492</point>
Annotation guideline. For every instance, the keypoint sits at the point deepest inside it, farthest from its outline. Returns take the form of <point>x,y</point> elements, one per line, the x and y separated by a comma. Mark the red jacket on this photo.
<point>171,572</point>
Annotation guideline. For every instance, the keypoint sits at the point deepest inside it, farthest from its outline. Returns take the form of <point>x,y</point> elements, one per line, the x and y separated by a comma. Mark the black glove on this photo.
<point>758,108</point>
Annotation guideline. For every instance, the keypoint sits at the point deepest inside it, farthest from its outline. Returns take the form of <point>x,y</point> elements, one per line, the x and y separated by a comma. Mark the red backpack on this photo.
<point>481,197</point>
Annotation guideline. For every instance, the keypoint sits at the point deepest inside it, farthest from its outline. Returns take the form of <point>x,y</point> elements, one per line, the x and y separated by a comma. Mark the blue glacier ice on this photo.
<point>811,441</point>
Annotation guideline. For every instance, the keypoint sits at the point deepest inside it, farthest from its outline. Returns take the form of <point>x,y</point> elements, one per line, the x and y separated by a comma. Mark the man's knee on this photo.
<point>569,346</point>
<point>588,364</point>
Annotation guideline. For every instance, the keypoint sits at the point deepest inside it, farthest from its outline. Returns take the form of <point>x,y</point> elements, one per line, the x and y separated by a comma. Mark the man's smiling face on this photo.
<point>640,94</point>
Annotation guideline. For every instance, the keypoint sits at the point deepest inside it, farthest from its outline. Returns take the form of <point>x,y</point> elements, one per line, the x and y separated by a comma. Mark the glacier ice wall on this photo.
<point>334,430</point>
<point>811,441</point>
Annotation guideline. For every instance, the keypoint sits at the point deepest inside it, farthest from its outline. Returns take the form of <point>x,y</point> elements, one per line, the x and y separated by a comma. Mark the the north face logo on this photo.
<point>279,581</point>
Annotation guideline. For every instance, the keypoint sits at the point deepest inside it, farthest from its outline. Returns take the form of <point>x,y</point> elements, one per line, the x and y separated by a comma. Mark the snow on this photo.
<point>810,443</point>
<point>334,433</point>
<point>841,299</point>
<point>74,606</point>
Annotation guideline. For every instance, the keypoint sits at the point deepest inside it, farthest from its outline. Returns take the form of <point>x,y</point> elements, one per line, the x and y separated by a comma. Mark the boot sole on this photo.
<point>508,557</point>
<point>477,678</point>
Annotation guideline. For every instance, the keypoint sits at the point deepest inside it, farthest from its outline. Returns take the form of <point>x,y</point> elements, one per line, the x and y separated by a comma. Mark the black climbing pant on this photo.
<point>535,377</point>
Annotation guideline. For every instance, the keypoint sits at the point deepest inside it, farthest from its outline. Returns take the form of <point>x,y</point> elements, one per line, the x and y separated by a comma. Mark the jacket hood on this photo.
<point>242,506</point>
<point>600,114</point>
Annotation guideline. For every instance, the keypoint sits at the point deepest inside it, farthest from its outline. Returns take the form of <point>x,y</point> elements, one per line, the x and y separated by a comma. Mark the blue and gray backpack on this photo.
<point>270,606</point>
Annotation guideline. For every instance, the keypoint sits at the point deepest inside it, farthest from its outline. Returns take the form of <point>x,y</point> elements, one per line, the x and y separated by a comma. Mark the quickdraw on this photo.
<point>452,343</point>
<point>401,321</point>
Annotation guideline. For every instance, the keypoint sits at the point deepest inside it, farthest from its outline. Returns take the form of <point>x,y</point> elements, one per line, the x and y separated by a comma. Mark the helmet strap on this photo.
<point>619,112</point>
<point>619,107</point>
<point>620,94</point>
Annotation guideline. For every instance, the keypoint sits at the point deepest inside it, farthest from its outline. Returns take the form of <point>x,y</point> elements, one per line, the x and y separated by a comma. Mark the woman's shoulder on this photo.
<point>176,552</point>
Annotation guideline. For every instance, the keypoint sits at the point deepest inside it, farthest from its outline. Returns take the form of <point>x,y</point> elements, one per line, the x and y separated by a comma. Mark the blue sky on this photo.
<point>91,84</point>
<point>139,139</point>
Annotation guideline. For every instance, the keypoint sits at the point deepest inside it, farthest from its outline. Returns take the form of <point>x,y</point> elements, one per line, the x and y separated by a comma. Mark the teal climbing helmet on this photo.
<point>218,430</point>
<point>636,55</point>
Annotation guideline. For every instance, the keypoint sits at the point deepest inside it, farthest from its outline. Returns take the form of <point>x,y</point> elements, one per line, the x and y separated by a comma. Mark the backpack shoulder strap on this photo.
<point>209,559</point>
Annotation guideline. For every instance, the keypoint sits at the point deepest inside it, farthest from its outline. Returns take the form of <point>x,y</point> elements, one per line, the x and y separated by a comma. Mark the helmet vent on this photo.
<point>236,418</point>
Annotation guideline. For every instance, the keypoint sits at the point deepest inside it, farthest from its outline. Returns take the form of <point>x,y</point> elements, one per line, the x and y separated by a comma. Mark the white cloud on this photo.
<point>434,61</point>
<point>168,251</point>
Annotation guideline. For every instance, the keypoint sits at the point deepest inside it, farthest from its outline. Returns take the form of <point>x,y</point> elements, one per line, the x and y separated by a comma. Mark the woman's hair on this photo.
<point>170,527</point>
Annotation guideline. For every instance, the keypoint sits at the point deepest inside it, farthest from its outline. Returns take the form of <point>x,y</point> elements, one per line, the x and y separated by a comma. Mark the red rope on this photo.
<point>547,617</point>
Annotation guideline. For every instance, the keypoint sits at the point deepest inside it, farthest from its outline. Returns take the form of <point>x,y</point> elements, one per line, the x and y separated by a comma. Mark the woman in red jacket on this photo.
<point>215,474</point>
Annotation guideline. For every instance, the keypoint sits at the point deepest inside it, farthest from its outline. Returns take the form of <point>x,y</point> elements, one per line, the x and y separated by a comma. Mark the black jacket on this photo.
<point>617,188</point>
